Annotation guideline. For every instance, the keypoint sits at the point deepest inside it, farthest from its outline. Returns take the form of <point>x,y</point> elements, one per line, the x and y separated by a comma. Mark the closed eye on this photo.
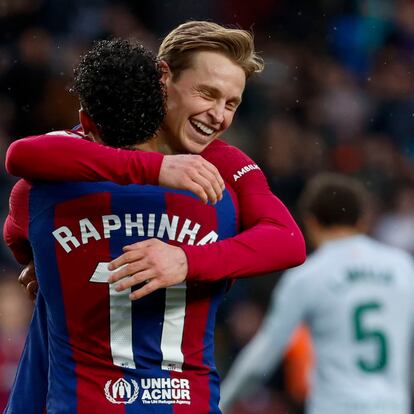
<point>205,93</point>
<point>233,105</point>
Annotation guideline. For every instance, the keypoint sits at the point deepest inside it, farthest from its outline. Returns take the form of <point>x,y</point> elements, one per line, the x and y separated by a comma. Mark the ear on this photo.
<point>89,127</point>
<point>166,71</point>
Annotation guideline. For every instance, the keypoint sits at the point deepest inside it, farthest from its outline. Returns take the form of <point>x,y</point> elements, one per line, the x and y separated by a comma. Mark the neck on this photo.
<point>156,144</point>
<point>334,233</point>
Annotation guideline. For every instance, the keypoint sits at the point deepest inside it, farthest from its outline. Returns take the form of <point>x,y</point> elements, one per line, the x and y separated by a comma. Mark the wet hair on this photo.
<point>119,86</point>
<point>334,199</point>
<point>180,45</point>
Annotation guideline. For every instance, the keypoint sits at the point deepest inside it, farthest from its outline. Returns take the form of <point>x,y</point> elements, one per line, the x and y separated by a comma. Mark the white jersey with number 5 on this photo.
<point>357,297</point>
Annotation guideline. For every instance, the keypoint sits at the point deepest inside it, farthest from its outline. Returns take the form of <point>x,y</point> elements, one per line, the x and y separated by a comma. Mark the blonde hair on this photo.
<point>179,46</point>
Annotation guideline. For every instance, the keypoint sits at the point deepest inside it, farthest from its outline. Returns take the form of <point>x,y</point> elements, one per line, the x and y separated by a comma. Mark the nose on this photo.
<point>216,112</point>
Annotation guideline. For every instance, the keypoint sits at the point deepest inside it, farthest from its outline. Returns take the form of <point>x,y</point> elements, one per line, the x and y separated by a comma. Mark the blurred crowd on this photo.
<point>336,94</point>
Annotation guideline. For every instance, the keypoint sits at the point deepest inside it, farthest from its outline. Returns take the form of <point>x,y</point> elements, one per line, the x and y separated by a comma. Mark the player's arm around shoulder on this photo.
<point>60,157</point>
<point>271,240</point>
<point>72,156</point>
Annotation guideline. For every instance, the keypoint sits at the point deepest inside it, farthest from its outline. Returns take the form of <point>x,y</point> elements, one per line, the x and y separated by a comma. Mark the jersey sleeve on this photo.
<point>65,158</point>
<point>289,307</point>
<point>270,239</point>
<point>16,226</point>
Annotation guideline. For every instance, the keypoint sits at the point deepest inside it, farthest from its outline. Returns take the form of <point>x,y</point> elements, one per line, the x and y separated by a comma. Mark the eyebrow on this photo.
<point>236,99</point>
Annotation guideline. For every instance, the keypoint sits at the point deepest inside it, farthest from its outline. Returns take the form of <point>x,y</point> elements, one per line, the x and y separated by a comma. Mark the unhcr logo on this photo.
<point>121,391</point>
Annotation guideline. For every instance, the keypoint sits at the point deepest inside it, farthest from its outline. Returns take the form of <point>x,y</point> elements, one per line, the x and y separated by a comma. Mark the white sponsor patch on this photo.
<point>165,391</point>
<point>153,391</point>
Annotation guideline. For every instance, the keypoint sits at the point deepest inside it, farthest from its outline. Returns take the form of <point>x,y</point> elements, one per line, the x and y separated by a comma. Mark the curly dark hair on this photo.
<point>119,86</point>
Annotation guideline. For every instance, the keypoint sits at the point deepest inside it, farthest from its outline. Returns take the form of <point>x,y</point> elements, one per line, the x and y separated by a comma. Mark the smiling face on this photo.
<point>201,103</point>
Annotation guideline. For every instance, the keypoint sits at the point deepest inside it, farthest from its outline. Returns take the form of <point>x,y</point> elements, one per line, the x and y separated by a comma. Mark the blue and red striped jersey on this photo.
<point>29,390</point>
<point>270,239</point>
<point>106,353</point>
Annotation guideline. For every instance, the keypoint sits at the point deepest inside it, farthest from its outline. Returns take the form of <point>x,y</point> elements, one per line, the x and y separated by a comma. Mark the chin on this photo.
<point>197,148</point>
<point>192,147</point>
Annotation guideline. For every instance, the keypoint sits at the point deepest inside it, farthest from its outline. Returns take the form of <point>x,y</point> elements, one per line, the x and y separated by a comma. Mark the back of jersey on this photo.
<point>361,320</point>
<point>108,354</point>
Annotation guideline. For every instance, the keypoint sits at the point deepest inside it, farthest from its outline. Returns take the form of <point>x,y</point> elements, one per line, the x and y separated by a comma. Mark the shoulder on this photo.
<point>387,252</point>
<point>20,190</point>
<point>397,257</point>
<point>315,262</point>
<point>231,161</point>
<point>218,148</point>
<point>304,278</point>
<point>19,200</point>
<point>19,203</point>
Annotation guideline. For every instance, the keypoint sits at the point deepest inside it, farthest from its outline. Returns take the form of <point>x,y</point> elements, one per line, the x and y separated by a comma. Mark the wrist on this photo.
<point>183,262</point>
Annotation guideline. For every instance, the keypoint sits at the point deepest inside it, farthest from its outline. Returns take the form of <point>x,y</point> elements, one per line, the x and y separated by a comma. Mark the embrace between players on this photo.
<point>98,244</point>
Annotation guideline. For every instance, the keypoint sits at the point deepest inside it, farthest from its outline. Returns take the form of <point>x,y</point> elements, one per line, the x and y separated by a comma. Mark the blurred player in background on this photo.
<point>355,294</point>
<point>207,400</point>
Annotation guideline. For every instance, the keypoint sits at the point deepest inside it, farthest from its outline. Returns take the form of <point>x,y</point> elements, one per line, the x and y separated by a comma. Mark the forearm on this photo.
<point>271,242</point>
<point>63,158</point>
<point>259,250</point>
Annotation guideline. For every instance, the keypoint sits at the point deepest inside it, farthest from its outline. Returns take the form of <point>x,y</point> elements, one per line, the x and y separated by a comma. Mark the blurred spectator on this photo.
<point>341,106</point>
<point>26,79</point>
<point>391,87</point>
<point>396,227</point>
<point>282,158</point>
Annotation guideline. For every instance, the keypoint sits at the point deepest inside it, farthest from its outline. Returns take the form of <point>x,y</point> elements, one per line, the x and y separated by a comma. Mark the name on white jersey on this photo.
<point>245,170</point>
<point>160,226</point>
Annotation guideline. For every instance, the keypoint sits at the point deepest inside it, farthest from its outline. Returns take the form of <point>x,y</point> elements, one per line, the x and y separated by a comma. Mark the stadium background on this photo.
<point>336,94</point>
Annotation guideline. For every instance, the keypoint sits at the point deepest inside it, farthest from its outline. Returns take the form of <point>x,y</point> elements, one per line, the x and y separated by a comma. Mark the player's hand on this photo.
<point>28,280</point>
<point>193,173</point>
<point>152,261</point>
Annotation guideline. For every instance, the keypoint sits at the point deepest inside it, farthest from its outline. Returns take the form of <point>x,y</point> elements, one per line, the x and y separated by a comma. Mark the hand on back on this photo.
<point>153,262</point>
<point>193,173</point>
